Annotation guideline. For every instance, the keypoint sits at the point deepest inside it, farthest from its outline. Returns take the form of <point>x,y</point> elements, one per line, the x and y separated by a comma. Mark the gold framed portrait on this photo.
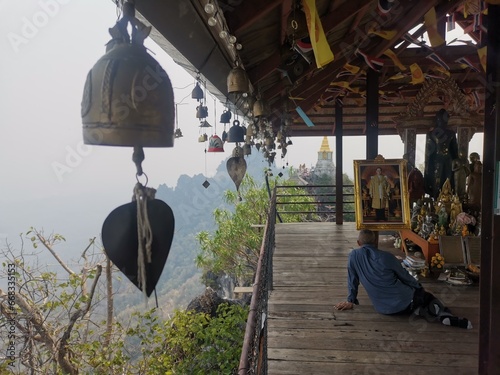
<point>381,194</point>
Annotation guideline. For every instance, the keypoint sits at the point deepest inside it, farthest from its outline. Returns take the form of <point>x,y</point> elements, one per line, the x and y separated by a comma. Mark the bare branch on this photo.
<point>109,320</point>
<point>48,246</point>
<point>65,364</point>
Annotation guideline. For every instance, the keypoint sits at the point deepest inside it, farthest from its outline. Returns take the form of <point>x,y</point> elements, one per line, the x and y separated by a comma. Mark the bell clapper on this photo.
<point>138,158</point>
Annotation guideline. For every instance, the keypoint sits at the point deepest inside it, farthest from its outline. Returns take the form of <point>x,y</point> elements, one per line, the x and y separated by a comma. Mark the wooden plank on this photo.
<point>307,336</point>
<point>293,367</point>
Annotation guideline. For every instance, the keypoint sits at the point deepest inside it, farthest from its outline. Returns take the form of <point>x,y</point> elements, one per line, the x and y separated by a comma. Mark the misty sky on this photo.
<point>47,48</point>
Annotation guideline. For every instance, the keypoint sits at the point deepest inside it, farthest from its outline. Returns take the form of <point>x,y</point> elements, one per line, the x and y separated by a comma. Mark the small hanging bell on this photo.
<point>215,144</point>
<point>247,149</point>
<point>259,109</point>
<point>236,132</point>
<point>225,117</point>
<point>202,138</point>
<point>224,136</point>
<point>297,24</point>
<point>201,111</point>
<point>237,81</point>
<point>197,92</point>
<point>178,133</point>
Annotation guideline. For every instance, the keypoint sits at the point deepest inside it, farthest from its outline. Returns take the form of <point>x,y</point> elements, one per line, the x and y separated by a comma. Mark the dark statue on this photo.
<point>441,149</point>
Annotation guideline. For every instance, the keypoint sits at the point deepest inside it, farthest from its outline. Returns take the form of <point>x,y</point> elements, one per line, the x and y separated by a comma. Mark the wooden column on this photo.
<point>489,316</point>
<point>371,114</point>
<point>339,160</point>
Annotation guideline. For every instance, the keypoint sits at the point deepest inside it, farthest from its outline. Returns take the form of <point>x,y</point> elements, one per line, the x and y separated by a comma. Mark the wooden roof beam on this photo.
<point>248,12</point>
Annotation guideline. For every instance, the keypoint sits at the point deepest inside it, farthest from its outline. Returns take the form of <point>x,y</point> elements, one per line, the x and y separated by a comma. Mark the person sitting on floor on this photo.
<point>392,290</point>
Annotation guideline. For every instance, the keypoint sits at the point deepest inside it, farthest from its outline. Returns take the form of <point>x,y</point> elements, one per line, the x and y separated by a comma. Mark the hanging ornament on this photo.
<point>147,222</point>
<point>236,168</point>
<point>128,101</point>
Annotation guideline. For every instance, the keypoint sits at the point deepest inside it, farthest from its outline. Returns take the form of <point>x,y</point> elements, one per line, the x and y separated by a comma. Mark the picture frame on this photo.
<point>381,202</point>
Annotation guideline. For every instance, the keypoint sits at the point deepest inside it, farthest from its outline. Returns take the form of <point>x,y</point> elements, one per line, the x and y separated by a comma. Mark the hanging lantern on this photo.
<point>128,98</point>
<point>237,81</point>
<point>236,132</point>
<point>215,144</point>
<point>197,92</point>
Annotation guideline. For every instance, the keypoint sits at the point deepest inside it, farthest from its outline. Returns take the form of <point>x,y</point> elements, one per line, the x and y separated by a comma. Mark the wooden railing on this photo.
<point>324,205</point>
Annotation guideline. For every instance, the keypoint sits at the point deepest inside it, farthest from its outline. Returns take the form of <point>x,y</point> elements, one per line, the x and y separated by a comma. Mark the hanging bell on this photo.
<point>259,108</point>
<point>297,24</point>
<point>202,138</point>
<point>247,149</point>
<point>225,117</point>
<point>128,98</point>
<point>215,144</point>
<point>250,130</point>
<point>178,133</point>
<point>237,81</point>
<point>224,136</point>
<point>197,92</point>
<point>201,111</point>
<point>236,132</point>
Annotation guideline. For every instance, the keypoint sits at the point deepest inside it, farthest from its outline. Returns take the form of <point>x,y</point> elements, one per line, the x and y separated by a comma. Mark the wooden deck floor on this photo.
<point>306,336</point>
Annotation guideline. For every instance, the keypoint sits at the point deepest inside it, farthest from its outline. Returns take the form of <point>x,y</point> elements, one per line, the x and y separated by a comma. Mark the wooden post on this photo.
<point>371,114</point>
<point>489,322</point>
<point>339,175</point>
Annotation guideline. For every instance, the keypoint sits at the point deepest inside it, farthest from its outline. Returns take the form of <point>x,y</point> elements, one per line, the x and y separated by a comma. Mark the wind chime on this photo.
<point>237,84</point>
<point>128,101</point>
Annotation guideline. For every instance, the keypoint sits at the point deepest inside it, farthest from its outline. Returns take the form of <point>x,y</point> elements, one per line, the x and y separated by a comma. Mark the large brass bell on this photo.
<point>128,98</point>
<point>237,81</point>
<point>236,132</point>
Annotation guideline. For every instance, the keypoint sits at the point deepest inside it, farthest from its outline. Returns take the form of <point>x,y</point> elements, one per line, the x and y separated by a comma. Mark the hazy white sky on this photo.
<point>48,47</point>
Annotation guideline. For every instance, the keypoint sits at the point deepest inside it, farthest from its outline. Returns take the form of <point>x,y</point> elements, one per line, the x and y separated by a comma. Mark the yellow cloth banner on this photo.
<point>430,23</point>
<point>440,69</point>
<point>351,68</point>
<point>389,53</point>
<point>481,52</point>
<point>322,51</point>
<point>417,76</point>
<point>386,34</point>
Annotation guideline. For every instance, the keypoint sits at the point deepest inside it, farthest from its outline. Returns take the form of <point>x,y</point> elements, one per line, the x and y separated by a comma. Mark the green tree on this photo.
<point>234,247</point>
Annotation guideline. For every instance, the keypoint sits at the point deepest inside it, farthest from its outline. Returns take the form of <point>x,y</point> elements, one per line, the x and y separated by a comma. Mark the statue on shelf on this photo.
<point>474,181</point>
<point>443,217</point>
<point>456,208</point>
<point>460,168</point>
<point>445,195</point>
<point>416,188</point>
<point>440,149</point>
